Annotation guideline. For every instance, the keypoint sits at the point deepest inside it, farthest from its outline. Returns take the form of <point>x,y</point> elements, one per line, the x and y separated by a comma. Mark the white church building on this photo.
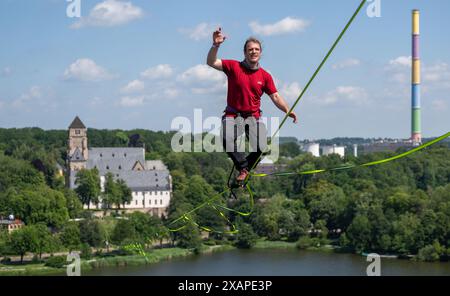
<point>149,181</point>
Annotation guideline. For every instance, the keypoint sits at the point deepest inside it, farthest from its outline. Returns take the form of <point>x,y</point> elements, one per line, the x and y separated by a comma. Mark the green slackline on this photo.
<point>359,165</point>
<point>185,217</point>
<point>189,220</point>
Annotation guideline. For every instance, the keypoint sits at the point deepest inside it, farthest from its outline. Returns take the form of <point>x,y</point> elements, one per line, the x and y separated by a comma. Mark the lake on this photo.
<point>275,263</point>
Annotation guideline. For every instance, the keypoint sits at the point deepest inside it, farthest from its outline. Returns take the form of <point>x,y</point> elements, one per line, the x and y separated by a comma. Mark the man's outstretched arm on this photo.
<point>282,105</point>
<point>212,59</point>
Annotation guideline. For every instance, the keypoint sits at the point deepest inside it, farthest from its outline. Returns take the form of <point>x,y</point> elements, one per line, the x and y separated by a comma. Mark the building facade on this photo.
<point>149,181</point>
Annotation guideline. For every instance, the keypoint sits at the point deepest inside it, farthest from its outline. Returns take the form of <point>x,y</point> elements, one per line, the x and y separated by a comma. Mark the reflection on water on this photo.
<point>275,262</point>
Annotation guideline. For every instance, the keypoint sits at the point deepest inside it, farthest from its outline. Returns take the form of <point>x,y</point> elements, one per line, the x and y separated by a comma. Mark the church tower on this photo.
<point>77,150</point>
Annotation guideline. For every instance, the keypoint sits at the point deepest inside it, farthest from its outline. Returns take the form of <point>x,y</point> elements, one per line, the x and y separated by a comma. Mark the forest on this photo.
<point>401,207</point>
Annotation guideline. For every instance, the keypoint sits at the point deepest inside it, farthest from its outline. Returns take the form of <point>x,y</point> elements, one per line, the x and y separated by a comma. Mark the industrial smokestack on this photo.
<point>416,134</point>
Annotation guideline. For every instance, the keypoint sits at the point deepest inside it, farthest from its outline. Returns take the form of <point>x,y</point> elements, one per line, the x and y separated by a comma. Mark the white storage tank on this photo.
<point>312,148</point>
<point>339,150</point>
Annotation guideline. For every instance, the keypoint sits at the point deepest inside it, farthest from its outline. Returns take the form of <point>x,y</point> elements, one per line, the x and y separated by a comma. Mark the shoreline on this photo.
<point>155,256</point>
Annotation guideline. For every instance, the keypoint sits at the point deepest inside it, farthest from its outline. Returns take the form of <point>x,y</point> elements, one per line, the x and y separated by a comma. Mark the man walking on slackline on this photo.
<point>247,82</point>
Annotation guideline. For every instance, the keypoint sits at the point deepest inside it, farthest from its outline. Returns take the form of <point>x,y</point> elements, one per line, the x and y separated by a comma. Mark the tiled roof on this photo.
<point>77,123</point>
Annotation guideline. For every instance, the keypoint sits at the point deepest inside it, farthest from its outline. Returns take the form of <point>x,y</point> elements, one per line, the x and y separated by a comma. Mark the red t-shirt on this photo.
<point>245,87</point>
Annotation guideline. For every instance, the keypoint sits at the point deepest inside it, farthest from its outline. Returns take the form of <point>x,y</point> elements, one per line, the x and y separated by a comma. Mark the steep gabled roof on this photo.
<point>76,123</point>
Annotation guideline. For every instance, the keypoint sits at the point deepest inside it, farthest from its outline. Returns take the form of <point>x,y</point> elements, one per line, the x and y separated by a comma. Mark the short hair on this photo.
<point>254,40</point>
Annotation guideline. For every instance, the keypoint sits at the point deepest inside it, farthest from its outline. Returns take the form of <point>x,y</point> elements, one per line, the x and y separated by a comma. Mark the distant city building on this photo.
<point>149,181</point>
<point>328,150</point>
<point>384,146</point>
<point>313,148</point>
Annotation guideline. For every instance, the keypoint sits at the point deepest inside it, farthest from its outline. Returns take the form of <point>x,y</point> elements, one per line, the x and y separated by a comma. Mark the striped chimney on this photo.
<point>416,135</point>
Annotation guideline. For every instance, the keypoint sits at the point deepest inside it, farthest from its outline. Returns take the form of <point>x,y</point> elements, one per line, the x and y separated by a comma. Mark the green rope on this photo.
<point>208,202</point>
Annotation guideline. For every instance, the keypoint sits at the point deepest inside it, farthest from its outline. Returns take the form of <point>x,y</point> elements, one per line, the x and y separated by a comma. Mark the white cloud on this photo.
<point>86,70</point>
<point>433,76</point>
<point>203,79</point>
<point>439,73</point>
<point>354,94</point>
<point>171,93</point>
<point>201,31</point>
<point>351,62</point>
<point>159,71</point>
<point>291,91</point>
<point>6,71</point>
<point>399,69</point>
<point>402,61</point>
<point>286,25</point>
<point>133,86</point>
<point>439,105</point>
<point>201,73</point>
<point>110,13</point>
<point>129,101</point>
<point>34,93</point>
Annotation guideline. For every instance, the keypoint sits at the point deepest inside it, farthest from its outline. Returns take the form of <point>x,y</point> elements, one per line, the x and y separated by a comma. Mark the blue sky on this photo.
<point>139,64</point>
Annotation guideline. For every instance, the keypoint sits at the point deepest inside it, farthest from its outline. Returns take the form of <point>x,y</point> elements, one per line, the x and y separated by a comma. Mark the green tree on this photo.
<point>121,138</point>
<point>112,193</point>
<point>322,231</point>
<point>408,234</point>
<point>91,232</point>
<point>267,216</point>
<point>198,190</point>
<point>22,241</point>
<point>73,203</point>
<point>326,201</point>
<point>86,251</point>
<point>125,192</point>
<point>42,238</point>
<point>290,149</point>
<point>70,236</point>
<point>18,173</point>
<point>294,220</point>
<point>189,238</point>
<point>145,226</point>
<point>359,233</point>
<point>123,231</point>
<point>38,204</point>
<point>246,237</point>
<point>88,186</point>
